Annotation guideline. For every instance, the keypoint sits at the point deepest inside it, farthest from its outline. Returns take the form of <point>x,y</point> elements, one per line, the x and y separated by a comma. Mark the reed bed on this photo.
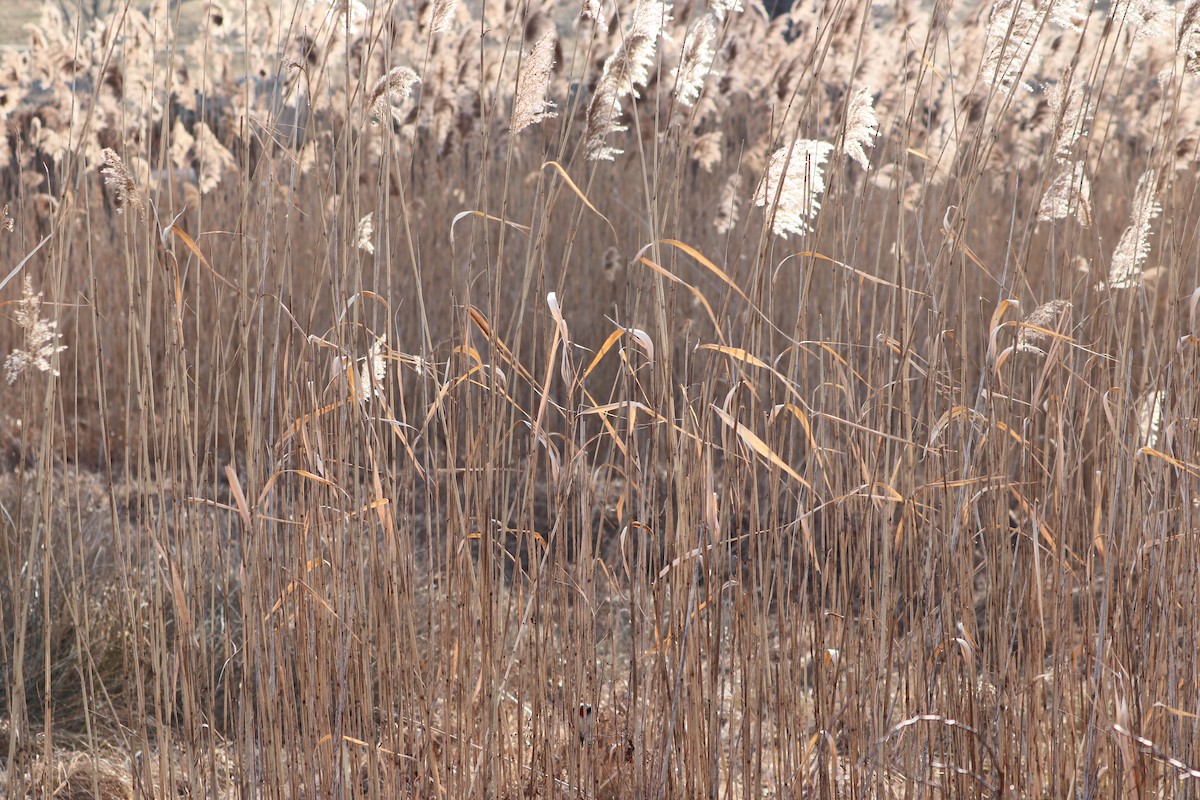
<point>605,400</point>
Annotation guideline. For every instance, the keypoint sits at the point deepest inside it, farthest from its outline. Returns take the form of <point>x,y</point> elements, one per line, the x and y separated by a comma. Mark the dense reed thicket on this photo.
<point>609,400</point>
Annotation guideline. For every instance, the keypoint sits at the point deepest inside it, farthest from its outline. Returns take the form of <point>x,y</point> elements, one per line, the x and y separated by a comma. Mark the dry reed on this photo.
<point>366,457</point>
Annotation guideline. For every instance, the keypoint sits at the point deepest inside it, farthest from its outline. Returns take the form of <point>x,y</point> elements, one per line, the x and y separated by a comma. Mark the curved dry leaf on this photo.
<point>1193,311</point>
<point>612,339</point>
<point>24,261</point>
<point>579,192</point>
<point>544,441</point>
<point>460,215</point>
<point>568,372</point>
<point>699,257</point>
<point>866,276</point>
<point>696,293</point>
<point>643,340</point>
<point>994,326</point>
<point>759,446</point>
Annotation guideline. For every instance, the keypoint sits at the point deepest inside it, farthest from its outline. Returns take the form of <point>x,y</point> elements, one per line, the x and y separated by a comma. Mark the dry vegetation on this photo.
<point>614,400</point>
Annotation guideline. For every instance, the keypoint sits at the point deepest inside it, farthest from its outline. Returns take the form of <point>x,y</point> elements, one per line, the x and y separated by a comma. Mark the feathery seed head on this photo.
<point>1070,192</point>
<point>41,337</point>
<point>1011,34</point>
<point>530,105</point>
<point>861,127</point>
<point>720,8</point>
<point>1045,317</point>
<point>624,71</point>
<point>706,150</point>
<point>1134,245</point>
<point>728,206</point>
<point>1071,111</point>
<point>442,15</point>
<point>348,15</point>
<point>395,86</point>
<point>365,232</point>
<point>696,62</point>
<point>1188,43</point>
<point>594,10</point>
<point>794,177</point>
<point>118,178</point>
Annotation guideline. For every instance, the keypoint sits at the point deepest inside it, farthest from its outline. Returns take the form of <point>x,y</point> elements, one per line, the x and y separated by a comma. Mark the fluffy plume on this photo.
<point>1189,38</point>
<point>395,86</point>
<point>727,208</point>
<point>612,264</point>
<point>696,62</point>
<point>719,8</point>
<point>307,157</point>
<point>1044,317</point>
<point>1134,245</point>
<point>441,19</point>
<point>364,234</point>
<point>1011,33</point>
<point>603,119</point>
<point>1070,192</point>
<point>119,180</point>
<point>1071,112</point>
<point>651,18</point>
<point>530,105</point>
<point>212,157</point>
<point>1151,18</point>
<point>796,177</point>
<point>861,127</point>
<point>348,15</point>
<point>706,150</point>
<point>594,10</point>
<point>181,145</point>
<point>373,371</point>
<point>1150,416</point>
<point>1067,14</point>
<point>624,71</point>
<point>41,337</point>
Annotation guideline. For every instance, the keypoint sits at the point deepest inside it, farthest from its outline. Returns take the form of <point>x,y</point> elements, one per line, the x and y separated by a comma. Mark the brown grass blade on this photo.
<point>612,339</point>
<point>696,293</point>
<point>866,276</point>
<point>525,229</point>
<point>760,447</point>
<point>20,265</point>
<point>239,497</point>
<point>701,260</point>
<point>579,193</point>
<point>190,244</point>
<point>481,322</point>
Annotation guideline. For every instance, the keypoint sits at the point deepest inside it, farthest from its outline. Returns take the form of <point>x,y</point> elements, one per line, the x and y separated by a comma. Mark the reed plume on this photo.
<point>861,127</point>
<point>793,185</point>
<point>624,71</point>
<point>394,87</point>
<point>119,180</point>
<point>530,105</point>
<point>1134,245</point>
<point>41,337</point>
